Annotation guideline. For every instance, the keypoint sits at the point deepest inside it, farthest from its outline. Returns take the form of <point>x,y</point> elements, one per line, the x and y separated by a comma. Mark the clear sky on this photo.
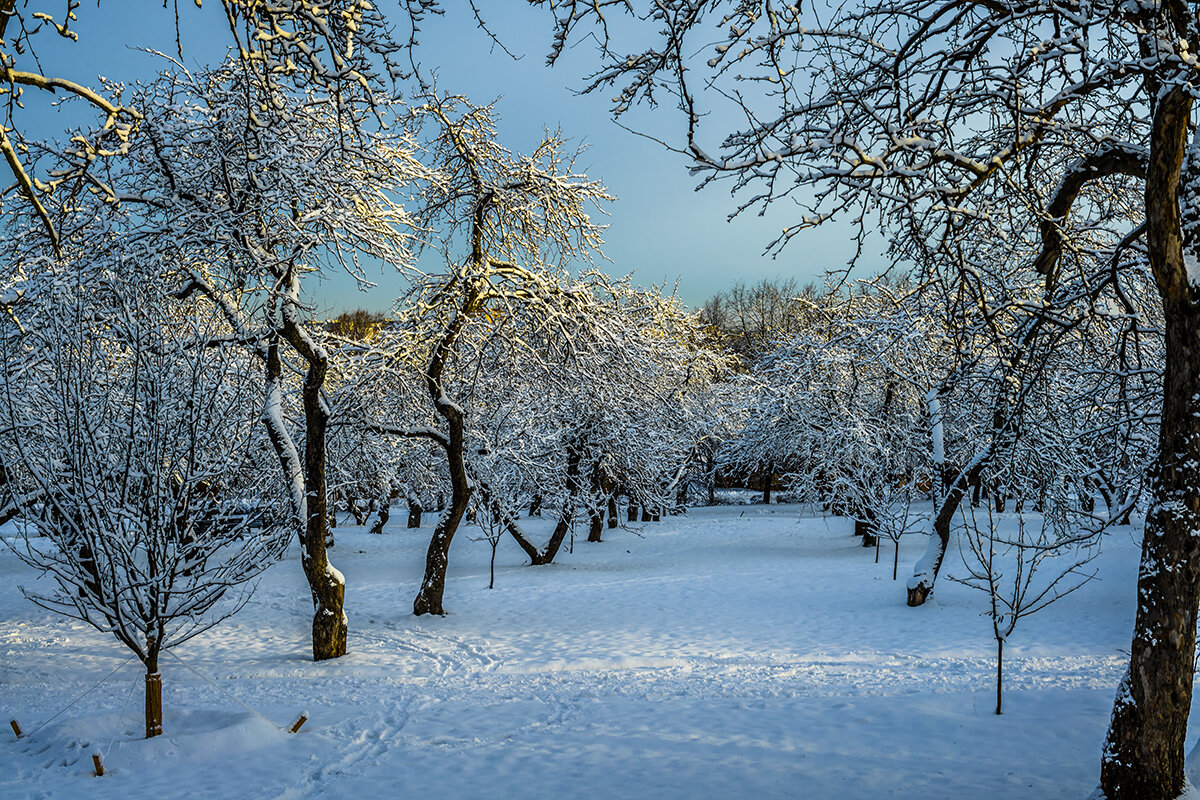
<point>661,229</point>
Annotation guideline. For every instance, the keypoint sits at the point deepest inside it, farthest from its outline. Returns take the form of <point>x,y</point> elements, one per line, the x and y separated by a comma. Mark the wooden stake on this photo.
<point>299,723</point>
<point>97,763</point>
<point>16,728</point>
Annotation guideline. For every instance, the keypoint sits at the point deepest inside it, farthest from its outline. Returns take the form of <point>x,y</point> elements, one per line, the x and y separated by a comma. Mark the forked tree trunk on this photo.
<point>566,518</point>
<point>1144,752</point>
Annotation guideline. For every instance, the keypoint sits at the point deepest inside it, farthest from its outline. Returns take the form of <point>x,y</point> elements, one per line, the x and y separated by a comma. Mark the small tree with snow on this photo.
<point>137,434</point>
<point>1024,571</point>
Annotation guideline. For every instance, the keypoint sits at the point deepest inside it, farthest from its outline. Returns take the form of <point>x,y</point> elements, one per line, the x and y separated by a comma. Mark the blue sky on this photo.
<point>661,229</point>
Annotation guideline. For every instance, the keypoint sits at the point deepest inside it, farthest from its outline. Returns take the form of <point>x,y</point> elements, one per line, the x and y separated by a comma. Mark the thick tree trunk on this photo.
<point>384,514</point>
<point>865,529</point>
<point>414,513</point>
<point>309,490</point>
<point>632,510</point>
<point>1144,752</point>
<point>614,516</point>
<point>329,627</point>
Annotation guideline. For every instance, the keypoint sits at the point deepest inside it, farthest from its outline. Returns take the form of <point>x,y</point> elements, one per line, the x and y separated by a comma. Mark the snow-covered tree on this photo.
<point>247,191</point>
<point>135,430</point>
<point>519,220</point>
<point>1059,137</point>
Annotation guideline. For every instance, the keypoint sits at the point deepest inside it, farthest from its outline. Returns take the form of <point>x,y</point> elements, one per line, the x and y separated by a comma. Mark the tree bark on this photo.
<point>1144,753</point>
<point>309,491</point>
<point>329,627</point>
<point>437,557</point>
<point>154,724</point>
<point>614,516</point>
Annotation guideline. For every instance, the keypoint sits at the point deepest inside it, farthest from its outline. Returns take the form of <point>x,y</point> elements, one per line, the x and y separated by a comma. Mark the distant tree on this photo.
<point>360,324</point>
<point>750,318</point>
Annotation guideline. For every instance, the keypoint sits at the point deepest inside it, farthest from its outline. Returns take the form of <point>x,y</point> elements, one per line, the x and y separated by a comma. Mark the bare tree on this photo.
<point>1007,568</point>
<point>138,432</point>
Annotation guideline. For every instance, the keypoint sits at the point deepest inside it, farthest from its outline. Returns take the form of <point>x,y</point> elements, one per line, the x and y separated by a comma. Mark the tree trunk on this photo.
<point>596,524</point>
<point>437,557</point>
<point>920,585</point>
<point>865,529</point>
<point>535,506</point>
<point>999,673</point>
<point>614,516</point>
<point>633,510</point>
<point>308,489</point>
<point>154,723</point>
<point>414,513</point>
<point>767,484</point>
<point>647,515</point>
<point>329,625</point>
<point>1144,752</point>
<point>385,513</point>
<point>711,472</point>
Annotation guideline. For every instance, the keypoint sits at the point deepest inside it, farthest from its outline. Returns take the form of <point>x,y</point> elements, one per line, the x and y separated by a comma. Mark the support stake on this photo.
<point>98,764</point>
<point>299,723</point>
<point>16,728</point>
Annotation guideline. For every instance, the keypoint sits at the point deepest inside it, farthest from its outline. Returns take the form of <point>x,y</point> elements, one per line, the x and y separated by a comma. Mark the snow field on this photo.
<point>734,652</point>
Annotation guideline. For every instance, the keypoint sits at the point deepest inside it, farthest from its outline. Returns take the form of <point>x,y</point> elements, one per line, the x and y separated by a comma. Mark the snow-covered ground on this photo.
<point>742,651</point>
